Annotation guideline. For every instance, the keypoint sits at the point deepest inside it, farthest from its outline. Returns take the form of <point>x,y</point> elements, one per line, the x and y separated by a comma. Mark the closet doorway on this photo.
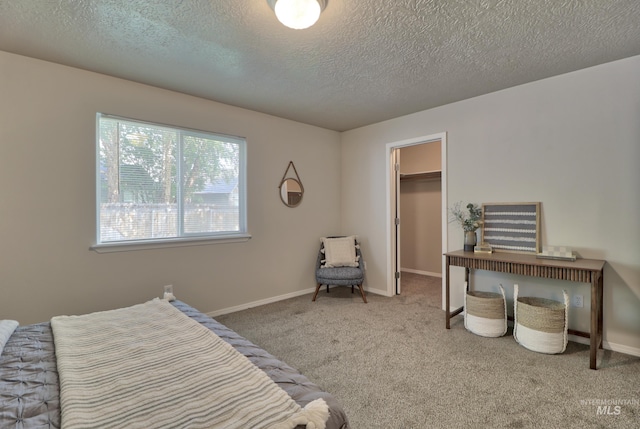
<point>417,211</point>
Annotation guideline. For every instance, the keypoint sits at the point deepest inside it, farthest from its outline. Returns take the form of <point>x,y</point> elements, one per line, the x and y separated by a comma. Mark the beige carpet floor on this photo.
<point>392,364</point>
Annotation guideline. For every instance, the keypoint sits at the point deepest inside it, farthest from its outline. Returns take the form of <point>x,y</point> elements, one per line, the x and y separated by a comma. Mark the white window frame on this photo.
<point>185,239</point>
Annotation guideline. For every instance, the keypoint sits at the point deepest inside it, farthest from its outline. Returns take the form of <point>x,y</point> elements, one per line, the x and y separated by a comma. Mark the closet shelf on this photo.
<point>423,175</point>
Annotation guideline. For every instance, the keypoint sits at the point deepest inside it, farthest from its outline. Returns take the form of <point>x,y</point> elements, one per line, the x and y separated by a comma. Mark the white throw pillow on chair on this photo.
<point>340,252</point>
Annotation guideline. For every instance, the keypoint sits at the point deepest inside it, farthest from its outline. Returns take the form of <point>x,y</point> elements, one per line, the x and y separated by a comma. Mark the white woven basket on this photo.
<point>485,313</point>
<point>541,324</point>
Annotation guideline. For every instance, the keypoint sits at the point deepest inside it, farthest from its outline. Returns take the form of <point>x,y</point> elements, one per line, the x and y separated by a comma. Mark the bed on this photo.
<point>30,384</point>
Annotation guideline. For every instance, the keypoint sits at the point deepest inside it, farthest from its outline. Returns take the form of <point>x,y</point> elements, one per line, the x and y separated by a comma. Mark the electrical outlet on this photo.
<point>577,301</point>
<point>364,264</point>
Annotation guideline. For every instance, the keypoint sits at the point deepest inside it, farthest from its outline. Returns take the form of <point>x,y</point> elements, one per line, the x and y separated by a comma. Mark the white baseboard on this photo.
<point>423,273</point>
<point>260,302</point>
<point>621,348</point>
<point>380,292</point>
<point>577,339</point>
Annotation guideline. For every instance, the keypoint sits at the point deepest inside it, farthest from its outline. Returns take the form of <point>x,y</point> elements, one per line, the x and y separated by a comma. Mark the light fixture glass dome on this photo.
<point>297,14</point>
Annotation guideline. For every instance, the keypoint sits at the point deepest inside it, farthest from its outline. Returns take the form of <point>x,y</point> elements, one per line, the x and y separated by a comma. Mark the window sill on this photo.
<point>174,242</point>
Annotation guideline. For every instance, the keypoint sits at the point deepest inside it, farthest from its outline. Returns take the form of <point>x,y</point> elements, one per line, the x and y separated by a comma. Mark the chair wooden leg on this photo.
<point>364,298</point>
<point>317,290</point>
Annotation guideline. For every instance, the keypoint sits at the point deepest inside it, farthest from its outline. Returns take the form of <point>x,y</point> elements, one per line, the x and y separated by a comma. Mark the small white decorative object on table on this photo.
<point>557,252</point>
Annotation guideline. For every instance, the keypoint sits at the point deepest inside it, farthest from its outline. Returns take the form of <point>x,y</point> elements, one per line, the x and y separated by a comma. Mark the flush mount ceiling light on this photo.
<point>297,14</point>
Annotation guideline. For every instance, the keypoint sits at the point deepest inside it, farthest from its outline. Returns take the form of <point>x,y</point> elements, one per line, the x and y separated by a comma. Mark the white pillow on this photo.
<point>340,252</point>
<point>6,329</point>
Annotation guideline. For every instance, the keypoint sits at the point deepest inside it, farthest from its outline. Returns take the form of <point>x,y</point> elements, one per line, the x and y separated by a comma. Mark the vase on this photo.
<point>470,241</point>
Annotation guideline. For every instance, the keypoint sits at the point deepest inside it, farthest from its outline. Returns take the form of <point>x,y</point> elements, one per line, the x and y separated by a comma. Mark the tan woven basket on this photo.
<point>485,313</point>
<point>541,314</point>
<point>485,304</point>
<point>541,324</point>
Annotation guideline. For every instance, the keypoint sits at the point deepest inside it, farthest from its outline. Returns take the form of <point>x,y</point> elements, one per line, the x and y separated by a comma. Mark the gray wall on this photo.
<point>570,142</point>
<point>47,209</point>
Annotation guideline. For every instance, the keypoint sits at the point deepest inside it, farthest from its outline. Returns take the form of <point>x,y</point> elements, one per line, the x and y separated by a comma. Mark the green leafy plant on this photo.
<point>469,216</point>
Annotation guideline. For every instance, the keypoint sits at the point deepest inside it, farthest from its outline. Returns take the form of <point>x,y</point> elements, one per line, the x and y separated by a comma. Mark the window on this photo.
<point>157,183</point>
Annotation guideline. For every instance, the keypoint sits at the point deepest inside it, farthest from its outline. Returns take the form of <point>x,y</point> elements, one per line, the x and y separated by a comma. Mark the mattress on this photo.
<point>29,385</point>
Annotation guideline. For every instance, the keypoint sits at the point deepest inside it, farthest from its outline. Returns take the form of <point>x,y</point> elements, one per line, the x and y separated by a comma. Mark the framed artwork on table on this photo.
<point>511,227</point>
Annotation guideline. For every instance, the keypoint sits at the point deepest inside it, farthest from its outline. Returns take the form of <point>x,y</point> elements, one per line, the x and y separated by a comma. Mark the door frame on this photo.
<point>391,198</point>
<point>395,216</point>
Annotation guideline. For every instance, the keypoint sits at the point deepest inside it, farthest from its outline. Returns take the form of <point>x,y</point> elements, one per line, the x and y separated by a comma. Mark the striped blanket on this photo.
<point>150,366</point>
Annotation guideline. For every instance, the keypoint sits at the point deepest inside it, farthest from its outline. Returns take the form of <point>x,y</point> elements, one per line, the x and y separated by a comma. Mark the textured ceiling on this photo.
<point>363,62</point>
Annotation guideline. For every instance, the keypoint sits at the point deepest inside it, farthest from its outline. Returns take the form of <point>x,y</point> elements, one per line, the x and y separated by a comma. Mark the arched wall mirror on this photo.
<point>291,189</point>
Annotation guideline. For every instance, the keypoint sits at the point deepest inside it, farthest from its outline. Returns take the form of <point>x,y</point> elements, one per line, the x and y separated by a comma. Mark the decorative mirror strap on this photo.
<point>286,172</point>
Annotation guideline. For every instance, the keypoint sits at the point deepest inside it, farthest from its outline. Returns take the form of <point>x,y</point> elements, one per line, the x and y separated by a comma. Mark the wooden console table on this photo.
<point>581,270</point>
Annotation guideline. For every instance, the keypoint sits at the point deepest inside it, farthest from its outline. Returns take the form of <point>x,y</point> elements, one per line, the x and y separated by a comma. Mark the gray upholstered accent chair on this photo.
<point>340,276</point>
